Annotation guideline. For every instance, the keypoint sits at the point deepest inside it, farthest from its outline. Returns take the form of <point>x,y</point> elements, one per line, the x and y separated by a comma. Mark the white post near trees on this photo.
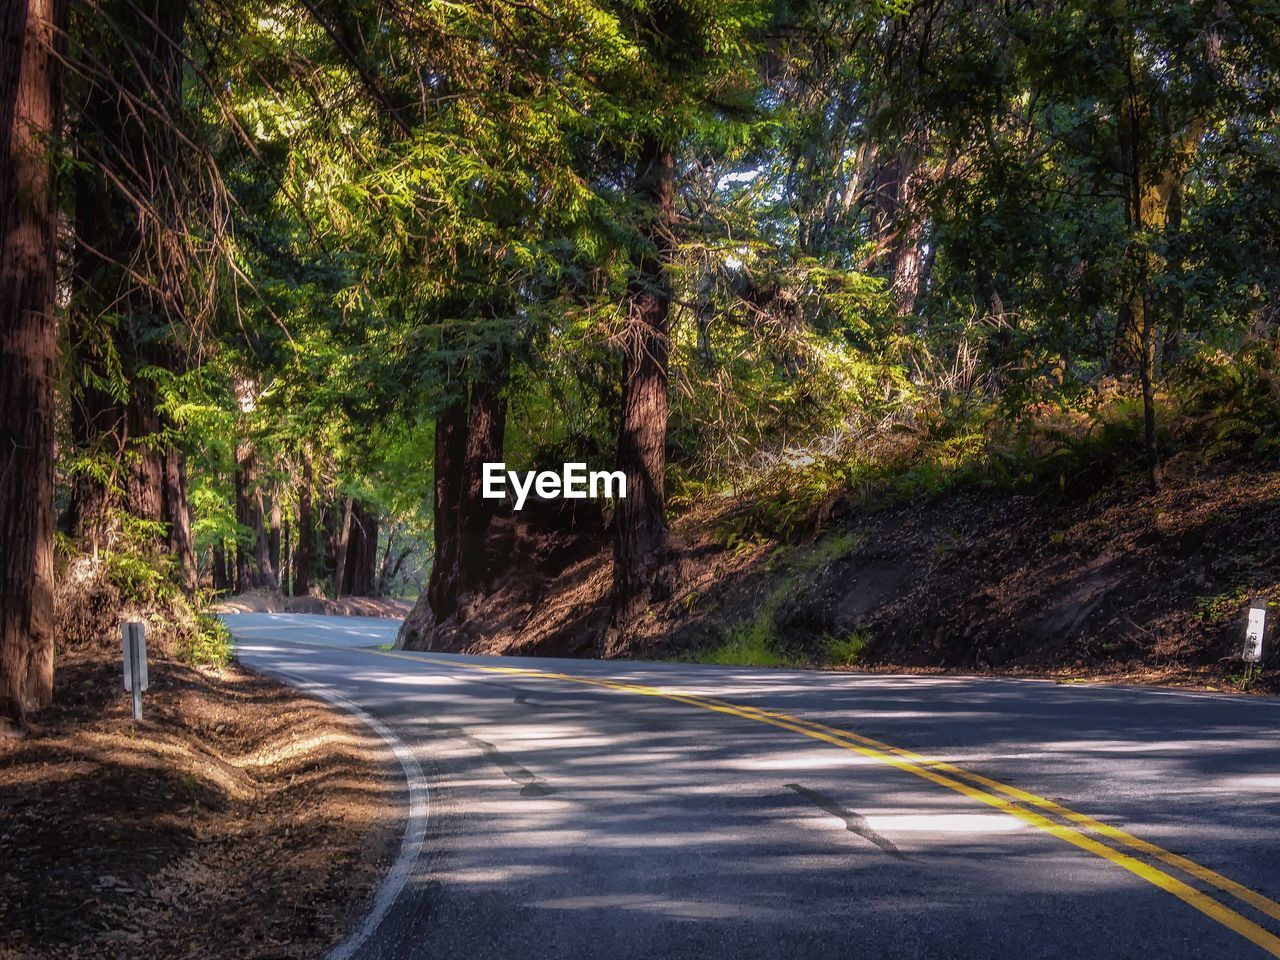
<point>1255,632</point>
<point>1255,635</point>
<point>135,662</point>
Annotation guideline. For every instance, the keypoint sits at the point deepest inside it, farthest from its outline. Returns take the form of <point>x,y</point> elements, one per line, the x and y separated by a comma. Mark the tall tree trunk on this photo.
<point>897,228</point>
<point>252,563</point>
<point>331,530</point>
<point>1151,448</point>
<point>486,430</point>
<point>302,559</point>
<point>144,477</point>
<point>273,533</point>
<point>221,582</point>
<point>469,433</point>
<point>1147,203</point>
<point>369,555</point>
<point>340,549</point>
<point>177,515</point>
<point>262,548</point>
<point>1171,344</point>
<point>385,565</point>
<point>640,518</point>
<point>450,453</point>
<point>286,560</point>
<point>362,551</point>
<point>30,101</point>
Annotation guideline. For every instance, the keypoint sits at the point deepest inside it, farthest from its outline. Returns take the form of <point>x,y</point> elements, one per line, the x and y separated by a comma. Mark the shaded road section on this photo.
<point>617,809</point>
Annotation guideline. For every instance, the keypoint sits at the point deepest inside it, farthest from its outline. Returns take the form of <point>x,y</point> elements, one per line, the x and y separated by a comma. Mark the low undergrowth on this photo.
<point>1216,409</point>
<point>131,580</point>
<point>755,642</point>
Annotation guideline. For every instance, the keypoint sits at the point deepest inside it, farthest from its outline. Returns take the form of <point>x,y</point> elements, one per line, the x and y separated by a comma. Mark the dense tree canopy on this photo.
<point>320,260</point>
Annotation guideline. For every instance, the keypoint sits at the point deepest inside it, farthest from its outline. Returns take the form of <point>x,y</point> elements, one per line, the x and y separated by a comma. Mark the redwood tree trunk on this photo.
<point>469,433</point>
<point>262,549</point>
<point>1150,443</point>
<point>486,428</point>
<point>253,566</point>
<point>640,519</point>
<point>302,558</point>
<point>221,580</point>
<point>362,551</point>
<point>144,476</point>
<point>340,549</point>
<point>450,453</point>
<point>273,533</point>
<point>30,94</point>
<point>896,227</point>
<point>177,515</point>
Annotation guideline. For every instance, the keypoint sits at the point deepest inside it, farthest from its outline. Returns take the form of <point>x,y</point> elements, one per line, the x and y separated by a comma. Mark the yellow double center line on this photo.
<point>1017,803</point>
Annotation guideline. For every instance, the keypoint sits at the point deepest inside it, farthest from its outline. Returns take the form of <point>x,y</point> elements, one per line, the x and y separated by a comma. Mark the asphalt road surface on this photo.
<point>584,809</point>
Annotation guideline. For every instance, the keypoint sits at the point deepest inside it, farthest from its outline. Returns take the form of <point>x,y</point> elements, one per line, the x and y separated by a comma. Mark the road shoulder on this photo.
<point>239,812</point>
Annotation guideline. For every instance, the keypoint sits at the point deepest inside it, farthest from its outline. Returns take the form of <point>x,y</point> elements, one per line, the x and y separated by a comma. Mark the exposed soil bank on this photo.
<point>265,601</point>
<point>238,819</point>
<point>1127,585</point>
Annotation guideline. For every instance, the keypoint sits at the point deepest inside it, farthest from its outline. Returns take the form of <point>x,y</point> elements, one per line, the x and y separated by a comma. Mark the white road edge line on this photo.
<point>415,828</point>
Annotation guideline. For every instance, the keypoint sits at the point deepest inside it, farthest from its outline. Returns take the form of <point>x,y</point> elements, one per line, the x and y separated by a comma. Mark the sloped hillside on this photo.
<point>1121,584</point>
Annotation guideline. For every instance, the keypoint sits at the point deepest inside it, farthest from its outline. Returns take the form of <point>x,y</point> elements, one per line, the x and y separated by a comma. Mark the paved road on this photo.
<point>657,810</point>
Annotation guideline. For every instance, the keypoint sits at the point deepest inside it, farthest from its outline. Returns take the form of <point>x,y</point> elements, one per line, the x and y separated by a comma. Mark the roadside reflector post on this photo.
<point>135,662</point>
<point>1255,634</point>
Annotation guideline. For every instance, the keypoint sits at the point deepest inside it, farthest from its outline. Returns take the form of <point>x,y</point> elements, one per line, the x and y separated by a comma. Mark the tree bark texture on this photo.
<point>340,546</point>
<point>304,551</point>
<point>486,429</point>
<point>469,433</point>
<point>222,579</point>
<point>362,551</point>
<point>640,518</point>
<point>450,452</point>
<point>253,565</point>
<point>897,228</point>
<point>30,94</point>
<point>273,532</point>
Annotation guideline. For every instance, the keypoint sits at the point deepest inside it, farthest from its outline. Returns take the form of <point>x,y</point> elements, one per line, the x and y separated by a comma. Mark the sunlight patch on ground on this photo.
<point>679,909</point>
<point>1248,783</point>
<point>497,876</point>
<point>806,762</point>
<point>956,823</point>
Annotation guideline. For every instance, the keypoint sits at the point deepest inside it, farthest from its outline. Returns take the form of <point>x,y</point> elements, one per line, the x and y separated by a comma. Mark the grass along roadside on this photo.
<point>755,642</point>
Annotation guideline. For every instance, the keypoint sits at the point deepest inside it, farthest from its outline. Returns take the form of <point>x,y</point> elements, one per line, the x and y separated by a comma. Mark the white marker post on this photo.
<point>1255,632</point>
<point>135,662</point>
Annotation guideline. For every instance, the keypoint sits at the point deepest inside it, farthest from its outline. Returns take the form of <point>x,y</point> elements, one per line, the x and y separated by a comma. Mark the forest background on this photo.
<point>279,277</point>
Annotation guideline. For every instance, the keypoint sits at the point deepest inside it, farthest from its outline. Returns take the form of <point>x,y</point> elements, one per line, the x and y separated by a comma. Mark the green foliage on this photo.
<point>141,573</point>
<point>908,249</point>
<point>1216,407</point>
<point>755,642</point>
<point>751,645</point>
<point>210,644</point>
<point>848,650</point>
<point>1230,406</point>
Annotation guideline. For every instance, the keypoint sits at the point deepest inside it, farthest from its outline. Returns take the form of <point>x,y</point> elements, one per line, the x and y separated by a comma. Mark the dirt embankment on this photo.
<point>238,819</point>
<point>266,601</point>
<point>1124,585</point>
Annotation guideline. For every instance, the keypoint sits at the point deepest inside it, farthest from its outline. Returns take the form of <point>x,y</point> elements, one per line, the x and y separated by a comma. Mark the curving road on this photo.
<point>583,809</point>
